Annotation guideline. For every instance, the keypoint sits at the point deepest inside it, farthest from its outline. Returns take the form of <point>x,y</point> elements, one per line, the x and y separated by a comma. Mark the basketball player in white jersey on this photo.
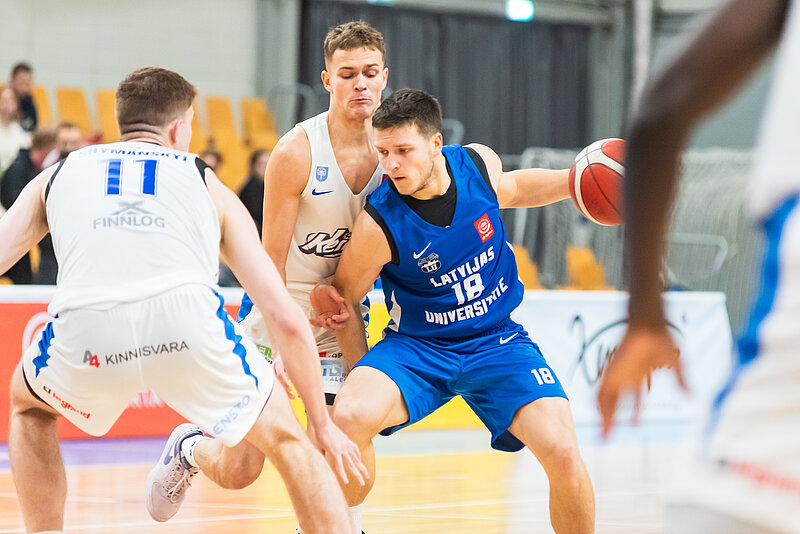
<point>747,480</point>
<point>137,228</point>
<point>317,180</point>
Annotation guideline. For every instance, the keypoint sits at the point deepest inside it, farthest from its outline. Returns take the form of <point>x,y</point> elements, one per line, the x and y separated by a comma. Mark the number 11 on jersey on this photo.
<point>113,183</point>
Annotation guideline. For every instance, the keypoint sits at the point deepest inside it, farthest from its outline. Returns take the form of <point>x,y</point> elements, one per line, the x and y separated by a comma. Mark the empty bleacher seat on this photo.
<point>106,103</point>
<point>259,125</point>
<point>72,107</point>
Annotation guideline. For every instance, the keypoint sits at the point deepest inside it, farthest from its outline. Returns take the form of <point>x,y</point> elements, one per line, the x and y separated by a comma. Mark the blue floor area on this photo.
<point>107,451</point>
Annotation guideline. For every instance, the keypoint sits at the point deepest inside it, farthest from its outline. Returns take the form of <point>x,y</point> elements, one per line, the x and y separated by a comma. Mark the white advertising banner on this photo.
<point>579,332</point>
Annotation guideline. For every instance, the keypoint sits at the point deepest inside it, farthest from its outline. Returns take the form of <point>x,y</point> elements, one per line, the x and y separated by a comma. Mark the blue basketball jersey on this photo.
<point>452,281</point>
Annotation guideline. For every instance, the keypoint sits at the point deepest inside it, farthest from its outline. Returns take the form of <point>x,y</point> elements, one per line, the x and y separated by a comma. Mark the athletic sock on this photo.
<point>355,517</point>
<point>187,448</point>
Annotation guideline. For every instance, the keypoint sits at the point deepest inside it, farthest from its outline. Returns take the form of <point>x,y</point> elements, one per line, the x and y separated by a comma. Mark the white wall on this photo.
<point>93,43</point>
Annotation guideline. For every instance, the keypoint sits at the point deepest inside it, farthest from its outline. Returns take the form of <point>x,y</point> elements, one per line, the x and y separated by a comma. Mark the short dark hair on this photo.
<point>152,97</point>
<point>409,106</point>
<point>21,67</point>
<point>353,34</point>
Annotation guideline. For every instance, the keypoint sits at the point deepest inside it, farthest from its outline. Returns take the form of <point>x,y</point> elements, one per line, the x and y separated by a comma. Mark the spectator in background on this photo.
<point>212,158</point>
<point>252,192</point>
<point>68,138</point>
<point>25,167</point>
<point>22,84</point>
<point>12,136</point>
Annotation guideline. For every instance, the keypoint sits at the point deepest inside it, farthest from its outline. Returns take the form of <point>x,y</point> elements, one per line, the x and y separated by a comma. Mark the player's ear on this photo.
<point>438,142</point>
<point>173,131</point>
<point>326,80</point>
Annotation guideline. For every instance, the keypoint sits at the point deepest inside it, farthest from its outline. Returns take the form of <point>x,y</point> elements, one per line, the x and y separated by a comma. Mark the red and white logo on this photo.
<point>484,227</point>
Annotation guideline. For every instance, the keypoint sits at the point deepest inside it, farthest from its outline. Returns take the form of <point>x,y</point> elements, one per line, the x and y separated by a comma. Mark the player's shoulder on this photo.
<point>293,148</point>
<point>381,193</point>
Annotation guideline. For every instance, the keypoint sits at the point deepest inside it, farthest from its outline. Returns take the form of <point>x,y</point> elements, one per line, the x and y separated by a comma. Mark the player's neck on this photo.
<point>146,137</point>
<point>345,129</point>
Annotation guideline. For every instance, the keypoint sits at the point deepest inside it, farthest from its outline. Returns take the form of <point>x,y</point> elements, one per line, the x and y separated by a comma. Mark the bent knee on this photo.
<point>354,422</point>
<point>242,472</point>
<point>563,458</point>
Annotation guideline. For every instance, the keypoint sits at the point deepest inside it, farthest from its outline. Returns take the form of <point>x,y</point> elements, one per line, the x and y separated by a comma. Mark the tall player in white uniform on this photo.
<point>317,180</point>
<point>137,228</point>
<point>748,477</point>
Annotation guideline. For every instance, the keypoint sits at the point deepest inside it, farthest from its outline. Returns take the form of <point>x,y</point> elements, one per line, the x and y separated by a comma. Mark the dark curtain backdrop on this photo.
<point>512,85</point>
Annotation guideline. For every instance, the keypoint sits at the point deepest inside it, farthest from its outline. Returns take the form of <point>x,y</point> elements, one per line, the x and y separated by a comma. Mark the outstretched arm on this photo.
<point>716,63</point>
<point>524,188</point>
<point>292,334</point>
<point>362,260</point>
<point>25,223</point>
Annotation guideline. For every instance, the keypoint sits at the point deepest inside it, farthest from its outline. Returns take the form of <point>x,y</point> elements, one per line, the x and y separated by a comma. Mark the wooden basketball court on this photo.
<point>428,482</point>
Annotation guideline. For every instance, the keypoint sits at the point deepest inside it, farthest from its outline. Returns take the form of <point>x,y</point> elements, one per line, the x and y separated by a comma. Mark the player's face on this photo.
<point>355,79</point>
<point>408,157</point>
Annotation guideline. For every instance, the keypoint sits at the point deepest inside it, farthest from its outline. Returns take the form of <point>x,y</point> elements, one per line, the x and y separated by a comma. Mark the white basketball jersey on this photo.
<point>776,175</point>
<point>129,221</point>
<point>328,209</point>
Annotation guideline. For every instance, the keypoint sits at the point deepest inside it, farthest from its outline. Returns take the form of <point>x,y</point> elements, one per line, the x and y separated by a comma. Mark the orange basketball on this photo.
<point>595,181</point>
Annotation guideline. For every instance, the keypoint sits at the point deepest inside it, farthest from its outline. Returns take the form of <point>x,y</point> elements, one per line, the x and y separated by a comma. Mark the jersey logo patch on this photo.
<point>417,255</point>
<point>326,245</point>
<point>484,227</point>
<point>430,263</point>
<point>321,173</point>
<point>316,193</point>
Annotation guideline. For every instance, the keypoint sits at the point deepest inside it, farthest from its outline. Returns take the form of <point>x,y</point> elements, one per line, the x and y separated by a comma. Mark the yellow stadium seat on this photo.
<point>220,115</point>
<point>527,268</point>
<point>585,273</point>
<point>42,103</point>
<point>259,125</point>
<point>199,135</point>
<point>106,104</point>
<point>6,281</point>
<point>226,139</point>
<point>72,108</point>
<point>233,169</point>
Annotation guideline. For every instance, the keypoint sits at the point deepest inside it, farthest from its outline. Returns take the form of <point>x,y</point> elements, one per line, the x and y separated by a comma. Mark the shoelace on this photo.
<point>177,485</point>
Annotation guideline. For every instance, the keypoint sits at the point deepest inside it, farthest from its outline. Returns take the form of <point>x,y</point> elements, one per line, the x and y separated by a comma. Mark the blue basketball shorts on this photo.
<point>496,374</point>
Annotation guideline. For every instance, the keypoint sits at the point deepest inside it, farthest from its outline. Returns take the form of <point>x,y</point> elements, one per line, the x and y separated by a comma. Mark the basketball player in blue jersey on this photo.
<point>138,227</point>
<point>434,235</point>
<point>747,479</point>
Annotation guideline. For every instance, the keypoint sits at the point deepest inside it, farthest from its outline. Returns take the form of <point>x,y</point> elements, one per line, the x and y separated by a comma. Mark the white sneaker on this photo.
<point>167,483</point>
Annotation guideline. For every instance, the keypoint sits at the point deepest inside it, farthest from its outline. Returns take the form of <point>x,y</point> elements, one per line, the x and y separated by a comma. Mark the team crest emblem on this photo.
<point>484,227</point>
<point>321,173</point>
<point>430,263</point>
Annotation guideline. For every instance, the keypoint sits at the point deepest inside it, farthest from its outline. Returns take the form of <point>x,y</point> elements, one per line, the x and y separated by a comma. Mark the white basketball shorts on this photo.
<point>330,355</point>
<point>182,345</point>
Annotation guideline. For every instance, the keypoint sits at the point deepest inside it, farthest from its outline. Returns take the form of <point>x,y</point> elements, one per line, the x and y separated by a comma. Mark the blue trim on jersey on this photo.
<point>230,333</point>
<point>244,308</point>
<point>770,276</point>
<point>44,343</point>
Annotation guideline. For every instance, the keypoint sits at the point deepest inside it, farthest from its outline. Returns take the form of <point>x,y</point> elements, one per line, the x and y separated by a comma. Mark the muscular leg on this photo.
<point>545,426</point>
<point>36,462</point>
<point>368,402</point>
<point>229,467</point>
<point>312,486</point>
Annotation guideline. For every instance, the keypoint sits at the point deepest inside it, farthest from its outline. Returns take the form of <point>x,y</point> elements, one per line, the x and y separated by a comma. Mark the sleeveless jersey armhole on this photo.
<point>52,178</point>
<point>370,209</point>
<point>481,165</point>
<point>202,166</point>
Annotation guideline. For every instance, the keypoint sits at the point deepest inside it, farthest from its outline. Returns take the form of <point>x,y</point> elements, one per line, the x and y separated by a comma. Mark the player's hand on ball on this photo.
<point>641,352</point>
<point>341,452</point>
<point>330,309</point>
<point>283,378</point>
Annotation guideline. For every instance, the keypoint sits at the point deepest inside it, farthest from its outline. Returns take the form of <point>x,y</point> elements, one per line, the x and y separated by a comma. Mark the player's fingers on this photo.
<point>607,403</point>
<point>341,470</point>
